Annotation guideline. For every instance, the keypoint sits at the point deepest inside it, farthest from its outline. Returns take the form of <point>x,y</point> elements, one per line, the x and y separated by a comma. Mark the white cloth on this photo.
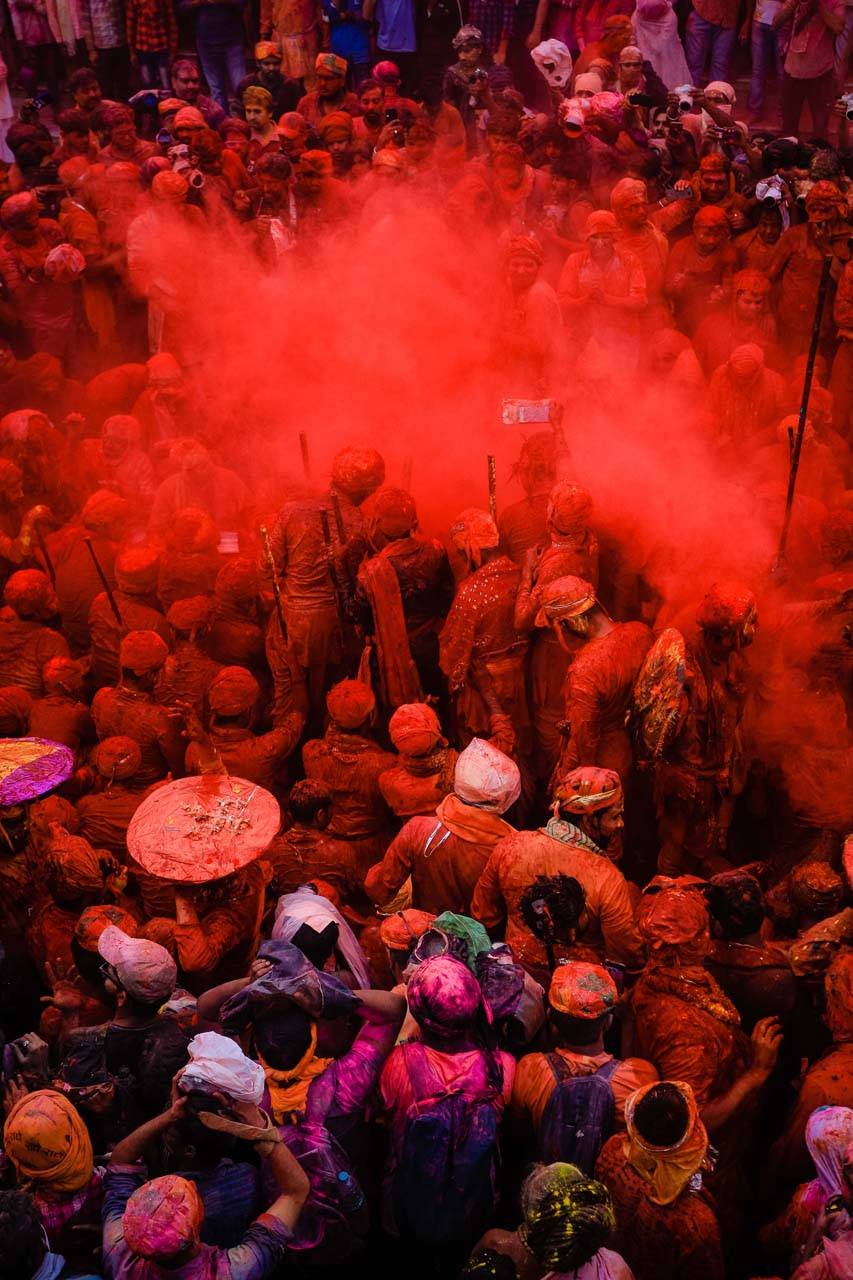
<point>553,61</point>
<point>307,907</point>
<point>829,1131</point>
<point>656,34</point>
<point>485,777</point>
<point>605,1265</point>
<point>218,1063</point>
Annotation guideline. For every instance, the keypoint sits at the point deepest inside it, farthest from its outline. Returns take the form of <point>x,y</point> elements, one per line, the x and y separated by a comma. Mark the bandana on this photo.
<point>566,597</point>
<point>568,833</point>
<point>667,1169</point>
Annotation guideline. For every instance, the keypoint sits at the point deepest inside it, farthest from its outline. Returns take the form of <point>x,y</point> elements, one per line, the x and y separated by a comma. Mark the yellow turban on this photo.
<point>48,1143</point>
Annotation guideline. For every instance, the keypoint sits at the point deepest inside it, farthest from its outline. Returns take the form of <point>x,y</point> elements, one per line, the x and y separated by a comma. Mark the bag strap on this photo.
<point>559,1070</point>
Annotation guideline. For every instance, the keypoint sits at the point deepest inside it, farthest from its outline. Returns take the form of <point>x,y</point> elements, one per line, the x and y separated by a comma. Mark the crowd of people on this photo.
<point>543,964</point>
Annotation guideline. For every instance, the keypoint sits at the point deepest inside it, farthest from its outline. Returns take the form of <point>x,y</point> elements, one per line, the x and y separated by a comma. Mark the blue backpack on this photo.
<point>444,1187</point>
<point>578,1116</point>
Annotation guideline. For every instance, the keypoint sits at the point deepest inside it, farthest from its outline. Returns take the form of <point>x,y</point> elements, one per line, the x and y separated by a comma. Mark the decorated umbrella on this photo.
<point>31,766</point>
<point>200,829</point>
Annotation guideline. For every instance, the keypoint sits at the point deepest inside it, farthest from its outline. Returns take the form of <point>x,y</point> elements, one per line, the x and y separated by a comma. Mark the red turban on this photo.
<point>350,703</point>
<point>386,72</point>
<point>675,926</point>
<point>727,604</point>
<point>142,651</point>
<point>816,888</point>
<point>569,508</point>
<point>136,570</point>
<point>566,597</point>
<point>30,594</point>
<point>315,164</point>
<point>237,582</point>
<point>626,191</point>
<point>473,532</point>
<point>414,729</point>
<point>401,931</point>
<point>193,530</point>
<point>746,359</point>
<point>169,187</point>
<point>335,125</point>
<point>233,692</point>
<point>73,863</point>
<point>391,511</point>
<point>188,118</point>
<point>524,246</point>
<point>601,222</point>
<point>357,471</point>
<point>163,1218</point>
<point>103,510</point>
<point>117,758</point>
<point>94,920</point>
<point>588,789</point>
<point>190,613</point>
<point>838,985</point>
<point>582,990</point>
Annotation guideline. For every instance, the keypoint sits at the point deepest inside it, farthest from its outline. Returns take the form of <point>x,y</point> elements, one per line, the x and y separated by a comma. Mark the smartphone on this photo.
<point>391,115</point>
<point>524,411</point>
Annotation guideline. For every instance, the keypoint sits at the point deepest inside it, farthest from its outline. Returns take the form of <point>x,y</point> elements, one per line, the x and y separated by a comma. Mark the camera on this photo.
<point>641,99</point>
<point>182,162</point>
<point>684,94</point>
<point>847,99</point>
<point>479,74</point>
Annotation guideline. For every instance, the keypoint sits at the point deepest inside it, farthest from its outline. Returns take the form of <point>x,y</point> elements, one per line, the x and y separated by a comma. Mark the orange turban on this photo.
<point>582,990</point>
<point>315,164</point>
<point>169,187</point>
<point>588,789</point>
<point>48,1143</point>
<point>335,125</point>
<point>94,920</point>
<point>675,926</point>
<point>331,62</point>
<point>401,931</point>
<point>266,49</point>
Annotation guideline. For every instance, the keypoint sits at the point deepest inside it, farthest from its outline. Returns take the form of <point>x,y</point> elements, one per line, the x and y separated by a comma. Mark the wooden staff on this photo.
<point>493,487</point>
<point>303,449</point>
<point>804,404</point>
<point>279,607</point>
<point>103,577</point>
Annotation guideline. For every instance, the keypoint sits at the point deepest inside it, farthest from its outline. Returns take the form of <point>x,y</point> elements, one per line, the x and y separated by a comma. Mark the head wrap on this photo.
<point>414,729</point>
<point>334,126</point>
<point>142,651</point>
<point>626,191</point>
<point>736,902</point>
<point>163,369</point>
<point>166,106</point>
<point>331,62</point>
<point>467,931</point>
<point>94,920</point>
<point>606,103</point>
<point>163,1218</point>
<point>292,125</point>
<point>72,864</point>
<point>144,969</point>
<point>617,22</point>
<point>675,927</point>
<point>569,508</point>
<point>169,187</point>
<point>723,89</point>
<point>588,82</point>
<point>63,675</point>
<point>486,778</point>
<point>391,512</point>
<point>218,1063</point>
<point>401,931</point>
<point>667,1169</point>
<point>582,990</point>
<point>829,1132</point>
<point>30,594</point>
<point>357,471</point>
<point>136,570</point>
<point>710,215</point>
<point>104,509</point>
<point>467,34</point>
<point>601,222</point>
<point>816,888</point>
<point>45,1138</point>
<point>565,597</point>
<point>524,246</point>
<point>350,703</point>
<point>444,996</point>
<point>18,211</point>
<point>255,95</point>
<point>389,158</point>
<point>474,532</point>
<point>190,613</point>
<point>193,530</point>
<point>838,986</point>
<point>117,758</point>
<point>746,359</point>
<point>237,582</point>
<point>64,263</point>
<point>727,604</point>
<point>567,1217</point>
<point>307,907</point>
<point>386,72</point>
<point>189,118</point>
<point>233,691</point>
<point>588,789</point>
<point>266,49</point>
<point>572,112</point>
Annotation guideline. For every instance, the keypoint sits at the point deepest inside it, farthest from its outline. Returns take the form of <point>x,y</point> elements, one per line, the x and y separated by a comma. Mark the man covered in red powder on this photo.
<point>42,296</point>
<point>104,519</point>
<point>750,319</point>
<point>349,762</point>
<point>524,524</point>
<point>482,650</point>
<point>799,260</point>
<point>135,598</point>
<point>423,773</point>
<point>689,699</point>
<point>700,268</point>
<point>131,710</point>
<point>528,331</point>
<point>446,852</point>
<point>61,714</point>
<point>26,641</point>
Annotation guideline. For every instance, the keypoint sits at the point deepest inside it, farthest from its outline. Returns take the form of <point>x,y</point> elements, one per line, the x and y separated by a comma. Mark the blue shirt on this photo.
<point>396,20</point>
<point>348,37</point>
